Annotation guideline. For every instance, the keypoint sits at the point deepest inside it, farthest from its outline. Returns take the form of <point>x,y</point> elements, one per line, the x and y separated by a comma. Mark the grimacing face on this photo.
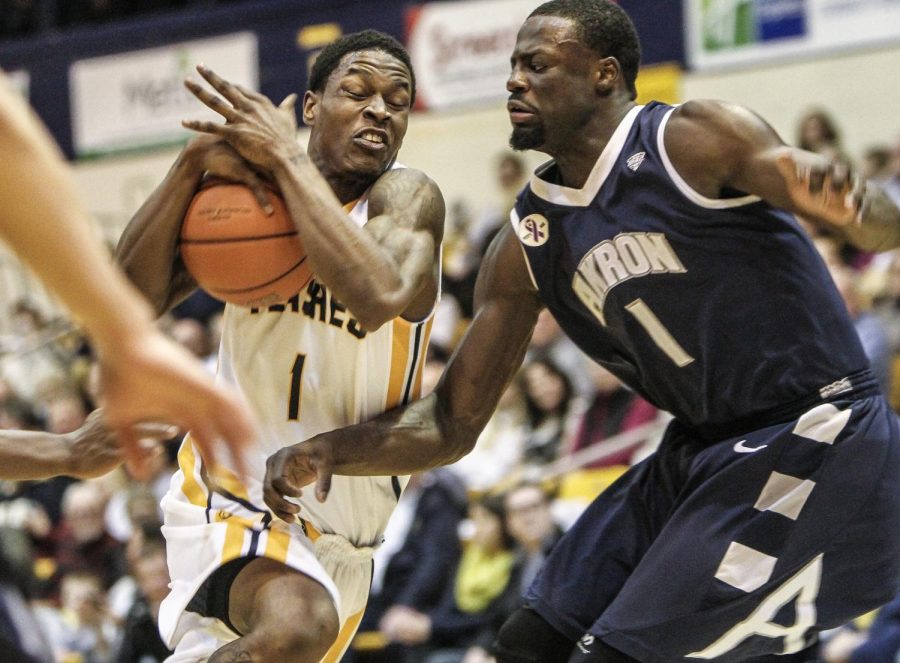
<point>552,95</point>
<point>359,120</point>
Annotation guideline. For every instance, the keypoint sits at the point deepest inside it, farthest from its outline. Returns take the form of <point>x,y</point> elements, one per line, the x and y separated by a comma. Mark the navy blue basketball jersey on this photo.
<point>718,310</point>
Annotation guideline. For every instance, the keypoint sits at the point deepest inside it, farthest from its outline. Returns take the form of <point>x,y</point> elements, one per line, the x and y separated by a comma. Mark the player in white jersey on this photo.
<point>245,585</point>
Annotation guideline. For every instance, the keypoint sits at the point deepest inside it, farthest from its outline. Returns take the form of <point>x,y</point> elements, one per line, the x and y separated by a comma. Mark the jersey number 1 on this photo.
<point>294,398</point>
<point>660,335</point>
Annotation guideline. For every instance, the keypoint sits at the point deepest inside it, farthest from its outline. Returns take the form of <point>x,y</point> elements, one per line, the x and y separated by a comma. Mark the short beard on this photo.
<point>526,138</point>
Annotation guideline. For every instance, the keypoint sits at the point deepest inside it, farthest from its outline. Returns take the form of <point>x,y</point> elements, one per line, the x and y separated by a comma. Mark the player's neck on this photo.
<point>575,160</point>
<point>347,187</point>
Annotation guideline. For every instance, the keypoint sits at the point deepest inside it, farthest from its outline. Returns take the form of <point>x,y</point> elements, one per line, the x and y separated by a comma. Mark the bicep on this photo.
<point>406,211</point>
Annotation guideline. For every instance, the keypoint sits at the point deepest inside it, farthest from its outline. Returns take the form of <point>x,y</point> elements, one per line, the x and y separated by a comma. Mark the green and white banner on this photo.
<point>733,33</point>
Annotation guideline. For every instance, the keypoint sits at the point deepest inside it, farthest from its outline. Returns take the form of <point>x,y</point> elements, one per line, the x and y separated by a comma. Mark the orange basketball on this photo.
<point>239,254</point>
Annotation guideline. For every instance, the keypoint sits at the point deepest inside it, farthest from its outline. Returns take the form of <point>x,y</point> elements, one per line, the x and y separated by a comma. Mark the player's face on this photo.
<point>360,119</point>
<point>552,93</point>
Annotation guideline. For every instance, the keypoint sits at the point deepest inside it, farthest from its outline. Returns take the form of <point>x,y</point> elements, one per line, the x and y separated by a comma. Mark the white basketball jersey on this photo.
<point>306,367</point>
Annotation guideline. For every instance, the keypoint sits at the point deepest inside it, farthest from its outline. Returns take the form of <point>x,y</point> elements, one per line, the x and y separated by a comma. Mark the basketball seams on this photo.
<point>248,238</point>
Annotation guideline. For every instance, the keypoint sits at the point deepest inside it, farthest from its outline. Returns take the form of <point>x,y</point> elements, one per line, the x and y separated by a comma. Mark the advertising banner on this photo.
<point>138,99</point>
<point>461,50</point>
<point>729,33</point>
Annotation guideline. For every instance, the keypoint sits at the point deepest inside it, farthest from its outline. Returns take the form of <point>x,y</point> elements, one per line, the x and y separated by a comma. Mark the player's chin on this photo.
<point>366,163</point>
<point>526,137</point>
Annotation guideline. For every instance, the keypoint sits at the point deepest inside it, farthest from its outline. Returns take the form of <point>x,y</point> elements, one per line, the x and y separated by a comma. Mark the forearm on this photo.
<point>342,255</point>
<point>403,441</point>
<point>46,224</point>
<point>148,248</point>
<point>29,455</point>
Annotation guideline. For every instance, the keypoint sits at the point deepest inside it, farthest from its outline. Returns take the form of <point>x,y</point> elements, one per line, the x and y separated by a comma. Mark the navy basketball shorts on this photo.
<point>746,547</point>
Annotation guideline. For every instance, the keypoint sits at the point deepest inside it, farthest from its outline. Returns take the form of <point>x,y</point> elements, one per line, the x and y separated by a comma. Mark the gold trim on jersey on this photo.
<point>409,343</point>
<point>347,631</point>
<point>192,486</point>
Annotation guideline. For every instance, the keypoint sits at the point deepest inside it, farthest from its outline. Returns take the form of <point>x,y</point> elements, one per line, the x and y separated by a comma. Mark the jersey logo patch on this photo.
<point>635,160</point>
<point>534,230</point>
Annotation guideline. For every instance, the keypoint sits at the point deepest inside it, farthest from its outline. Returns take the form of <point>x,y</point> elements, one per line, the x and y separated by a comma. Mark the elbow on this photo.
<point>373,319</point>
<point>458,440</point>
<point>378,311</point>
<point>459,448</point>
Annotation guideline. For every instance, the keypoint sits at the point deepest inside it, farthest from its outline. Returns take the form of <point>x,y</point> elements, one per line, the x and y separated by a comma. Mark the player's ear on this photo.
<point>310,108</point>
<point>607,74</point>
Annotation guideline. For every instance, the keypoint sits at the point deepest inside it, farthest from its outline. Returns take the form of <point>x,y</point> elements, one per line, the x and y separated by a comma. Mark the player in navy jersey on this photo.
<point>662,240</point>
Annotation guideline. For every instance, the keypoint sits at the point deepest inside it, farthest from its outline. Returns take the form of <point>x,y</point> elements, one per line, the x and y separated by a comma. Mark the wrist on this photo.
<point>289,160</point>
<point>130,322</point>
<point>59,455</point>
<point>190,164</point>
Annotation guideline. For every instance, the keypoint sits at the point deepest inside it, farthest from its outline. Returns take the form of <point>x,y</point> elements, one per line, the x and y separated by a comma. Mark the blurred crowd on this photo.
<point>19,18</point>
<point>82,563</point>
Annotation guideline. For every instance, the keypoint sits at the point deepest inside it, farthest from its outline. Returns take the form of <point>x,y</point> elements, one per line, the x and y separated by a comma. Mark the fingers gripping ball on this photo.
<point>239,254</point>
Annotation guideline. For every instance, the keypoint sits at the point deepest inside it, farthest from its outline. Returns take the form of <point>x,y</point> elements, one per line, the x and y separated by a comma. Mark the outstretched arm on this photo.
<point>144,375</point>
<point>387,268</point>
<point>715,145</point>
<point>91,451</point>
<point>444,426</point>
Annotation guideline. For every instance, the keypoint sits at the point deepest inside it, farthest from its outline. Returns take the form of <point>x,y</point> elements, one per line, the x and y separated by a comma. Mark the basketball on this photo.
<point>239,254</point>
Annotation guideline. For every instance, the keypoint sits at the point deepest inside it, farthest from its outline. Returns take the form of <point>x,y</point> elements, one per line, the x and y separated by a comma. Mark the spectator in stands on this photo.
<point>891,185</point>
<point>547,391</point>
<point>549,341</point>
<point>471,601</point>
<point>869,327</point>
<point>512,175</point>
<point>190,334</point>
<point>65,412</point>
<point>818,132</point>
<point>420,551</point>
<point>82,542</point>
<point>30,365</point>
<point>460,257</point>
<point>530,523</point>
<point>498,451</point>
<point>80,630</point>
<point>613,409</point>
<point>529,520</point>
<point>887,301</point>
<point>21,638</point>
<point>876,164</point>
<point>140,641</point>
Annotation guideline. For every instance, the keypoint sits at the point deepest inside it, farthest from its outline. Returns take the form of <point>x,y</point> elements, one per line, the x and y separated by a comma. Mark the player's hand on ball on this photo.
<point>292,468</point>
<point>217,158</point>
<point>828,190</point>
<point>259,130</point>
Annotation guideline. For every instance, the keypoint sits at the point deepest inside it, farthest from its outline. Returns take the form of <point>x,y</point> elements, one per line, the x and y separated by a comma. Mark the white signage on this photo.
<point>729,33</point>
<point>461,50</point>
<point>138,99</point>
